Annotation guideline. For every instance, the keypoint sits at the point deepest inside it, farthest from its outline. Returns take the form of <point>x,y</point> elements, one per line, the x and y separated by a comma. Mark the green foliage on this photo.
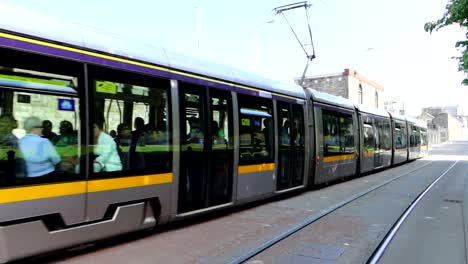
<point>456,12</point>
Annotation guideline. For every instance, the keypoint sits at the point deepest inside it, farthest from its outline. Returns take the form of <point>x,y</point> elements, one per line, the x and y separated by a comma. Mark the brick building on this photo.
<point>348,84</point>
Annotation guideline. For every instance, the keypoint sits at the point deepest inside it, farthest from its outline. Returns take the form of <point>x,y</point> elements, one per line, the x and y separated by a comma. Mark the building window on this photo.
<point>360,94</point>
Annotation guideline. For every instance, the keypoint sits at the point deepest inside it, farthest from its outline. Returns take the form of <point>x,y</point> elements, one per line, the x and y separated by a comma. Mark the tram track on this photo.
<point>274,241</point>
<point>381,248</point>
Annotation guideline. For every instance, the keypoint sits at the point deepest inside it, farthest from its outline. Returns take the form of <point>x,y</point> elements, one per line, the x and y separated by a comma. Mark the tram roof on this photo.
<point>397,116</point>
<point>330,99</point>
<point>67,32</point>
<point>372,110</point>
<point>417,122</point>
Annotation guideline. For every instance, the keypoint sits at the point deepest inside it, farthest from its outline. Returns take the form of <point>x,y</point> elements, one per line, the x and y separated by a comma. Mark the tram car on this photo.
<point>101,136</point>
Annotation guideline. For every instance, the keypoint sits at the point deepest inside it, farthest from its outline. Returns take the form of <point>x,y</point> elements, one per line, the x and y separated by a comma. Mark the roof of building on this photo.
<point>362,78</point>
<point>425,116</point>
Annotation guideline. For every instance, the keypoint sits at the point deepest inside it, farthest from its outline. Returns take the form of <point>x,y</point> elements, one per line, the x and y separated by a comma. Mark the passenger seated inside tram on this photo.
<point>68,136</point>
<point>107,158</point>
<point>196,134</point>
<point>113,133</point>
<point>67,146</point>
<point>268,128</point>
<point>136,159</point>
<point>122,141</point>
<point>48,133</point>
<point>218,133</point>
<point>123,136</point>
<point>39,154</point>
<point>7,138</point>
<point>285,133</point>
<point>139,131</point>
<point>152,135</point>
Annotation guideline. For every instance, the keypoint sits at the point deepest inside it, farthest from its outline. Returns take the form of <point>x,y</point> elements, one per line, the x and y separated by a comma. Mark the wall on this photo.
<point>333,84</point>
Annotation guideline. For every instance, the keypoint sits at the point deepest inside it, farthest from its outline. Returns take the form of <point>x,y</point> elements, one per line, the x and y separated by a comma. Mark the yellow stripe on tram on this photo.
<point>20,194</point>
<point>128,182</point>
<point>41,192</point>
<point>338,158</point>
<point>256,168</point>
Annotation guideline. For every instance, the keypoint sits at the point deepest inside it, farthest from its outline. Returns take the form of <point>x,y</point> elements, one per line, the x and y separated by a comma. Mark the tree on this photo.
<point>456,12</point>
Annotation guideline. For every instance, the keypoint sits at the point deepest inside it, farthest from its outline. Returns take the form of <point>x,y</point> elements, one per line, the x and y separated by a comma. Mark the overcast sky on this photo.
<point>383,40</point>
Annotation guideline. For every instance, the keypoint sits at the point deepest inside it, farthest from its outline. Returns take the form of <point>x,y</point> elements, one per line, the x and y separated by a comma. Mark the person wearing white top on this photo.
<point>38,153</point>
<point>107,158</point>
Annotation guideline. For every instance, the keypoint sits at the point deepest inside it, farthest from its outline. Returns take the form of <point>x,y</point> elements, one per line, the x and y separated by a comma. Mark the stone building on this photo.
<point>453,127</point>
<point>435,110</point>
<point>348,84</point>
<point>395,106</point>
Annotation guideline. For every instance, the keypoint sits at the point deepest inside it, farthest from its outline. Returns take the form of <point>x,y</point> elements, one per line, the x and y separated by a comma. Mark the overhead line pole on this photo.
<point>305,5</point>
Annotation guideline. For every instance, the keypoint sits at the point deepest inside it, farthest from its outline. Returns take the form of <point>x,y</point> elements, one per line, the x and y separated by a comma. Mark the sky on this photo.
<point>382,40</point>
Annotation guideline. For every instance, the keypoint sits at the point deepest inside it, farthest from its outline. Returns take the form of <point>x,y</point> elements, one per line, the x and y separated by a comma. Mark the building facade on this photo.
<point>394,106</point>
<point>452,126</point>
<point>435,110</point>
<point>348,84</point>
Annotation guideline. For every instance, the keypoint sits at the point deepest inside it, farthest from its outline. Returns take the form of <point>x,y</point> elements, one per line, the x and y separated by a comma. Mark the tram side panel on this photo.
<point>337,139</point>
<point>311,157</point>
<point>376,147</point>
<point>120,197</point>
<point>414,141</point>
<point>400,141</point>
<point>424,143</point>
<point>256,148</point>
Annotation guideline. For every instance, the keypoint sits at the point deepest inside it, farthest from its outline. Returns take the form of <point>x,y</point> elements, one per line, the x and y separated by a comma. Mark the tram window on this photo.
<point>346,133</point>
<point>131,125</point>
<point>195,120</point>
<point>414,138</point>
<point>330,133</point>
<point>40,135</point>
<point>400,135</point>
<point>256,130</point>
<point>297,135</point>
<point>369,139</point>
<point>423,137</point>
<point>338,133</point>
<point>385,139</point>
<point>220,130</point>
<point>417,137</point>
<point>284,124</point>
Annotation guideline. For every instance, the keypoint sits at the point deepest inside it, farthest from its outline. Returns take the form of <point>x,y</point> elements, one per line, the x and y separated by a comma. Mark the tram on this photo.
<point>138,136</point>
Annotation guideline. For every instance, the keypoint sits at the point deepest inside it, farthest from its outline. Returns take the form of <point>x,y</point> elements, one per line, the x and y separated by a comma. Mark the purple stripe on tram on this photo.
<point>79,56</point>
<point>285,99</point>
<point>13,43</point>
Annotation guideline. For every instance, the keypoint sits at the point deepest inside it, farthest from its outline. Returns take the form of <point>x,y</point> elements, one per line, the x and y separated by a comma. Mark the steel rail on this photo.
<point>380,250</point>
<point>309,221</point>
